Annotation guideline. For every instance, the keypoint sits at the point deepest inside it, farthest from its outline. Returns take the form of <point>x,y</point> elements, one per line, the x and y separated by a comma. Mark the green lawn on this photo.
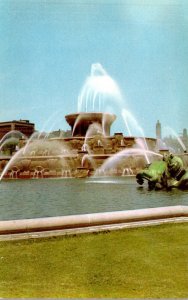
<point>133,263</point>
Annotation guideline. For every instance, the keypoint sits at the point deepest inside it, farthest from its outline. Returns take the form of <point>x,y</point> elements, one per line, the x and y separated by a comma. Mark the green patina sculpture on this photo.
<point>168,173</point>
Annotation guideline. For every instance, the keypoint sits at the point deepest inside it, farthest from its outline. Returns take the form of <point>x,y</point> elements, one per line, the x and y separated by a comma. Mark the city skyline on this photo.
<point>48,47</point>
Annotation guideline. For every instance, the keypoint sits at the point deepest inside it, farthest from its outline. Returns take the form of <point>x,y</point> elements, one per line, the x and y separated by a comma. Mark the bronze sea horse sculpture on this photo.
<point>165,174</point>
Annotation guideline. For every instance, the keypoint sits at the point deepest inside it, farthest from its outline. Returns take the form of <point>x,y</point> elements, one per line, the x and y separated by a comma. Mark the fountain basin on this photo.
<point>80,122</point>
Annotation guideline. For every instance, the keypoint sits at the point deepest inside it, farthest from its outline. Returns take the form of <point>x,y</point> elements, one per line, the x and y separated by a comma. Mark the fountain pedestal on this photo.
<point>80,122</point>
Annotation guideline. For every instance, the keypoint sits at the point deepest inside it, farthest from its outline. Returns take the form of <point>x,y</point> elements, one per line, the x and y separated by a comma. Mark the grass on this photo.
<point>149,262</point>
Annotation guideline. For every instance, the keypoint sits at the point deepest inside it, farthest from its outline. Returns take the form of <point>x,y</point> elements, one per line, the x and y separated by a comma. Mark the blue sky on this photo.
<point>47,49</point>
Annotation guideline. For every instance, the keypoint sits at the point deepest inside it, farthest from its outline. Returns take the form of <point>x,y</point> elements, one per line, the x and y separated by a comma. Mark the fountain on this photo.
<point>91,149</point>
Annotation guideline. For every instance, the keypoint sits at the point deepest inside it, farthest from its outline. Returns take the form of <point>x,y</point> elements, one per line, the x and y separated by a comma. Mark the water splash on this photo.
<point>127,172</point>
<point>34,136</point>
<point>8,140</point>
<point>78,119</point>
<point>112,161</point>
<point>51,150</point>
<point>89,158</point>
<point>52,117</point>
<point>161,145</point>
<point>131,122</point>
<point>10,163</point>
<point>98,89</point>
<point>174,133</point>
<point>13,133</point>
<point>124,114</point>
<point>130,119</point>
<point>93,130</point>
<point>141,142</point>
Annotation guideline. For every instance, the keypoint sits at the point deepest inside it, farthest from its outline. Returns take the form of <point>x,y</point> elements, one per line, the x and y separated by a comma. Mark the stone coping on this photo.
<point>91,229</point>
<point>92,220</point>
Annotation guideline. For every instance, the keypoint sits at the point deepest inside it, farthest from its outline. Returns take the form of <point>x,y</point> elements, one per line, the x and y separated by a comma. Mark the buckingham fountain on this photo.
<point>82,154</point>
<point>91,150</point>
<point>112,168</point>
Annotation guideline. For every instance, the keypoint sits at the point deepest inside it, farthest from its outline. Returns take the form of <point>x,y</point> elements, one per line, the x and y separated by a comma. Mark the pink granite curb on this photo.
<point>90,220</point>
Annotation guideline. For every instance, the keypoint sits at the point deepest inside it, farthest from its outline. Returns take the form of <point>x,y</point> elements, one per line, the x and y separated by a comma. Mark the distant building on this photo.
<point>185,138</point>
<point>185,135</point>
<point>158,130</point>
<point>24,126</point>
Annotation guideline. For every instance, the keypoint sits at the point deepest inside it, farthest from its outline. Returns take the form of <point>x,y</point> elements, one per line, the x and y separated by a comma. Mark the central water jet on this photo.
<point>98,90</point>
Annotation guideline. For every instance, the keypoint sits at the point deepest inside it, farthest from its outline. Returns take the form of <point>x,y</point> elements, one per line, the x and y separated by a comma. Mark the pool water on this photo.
<point>23,199</point>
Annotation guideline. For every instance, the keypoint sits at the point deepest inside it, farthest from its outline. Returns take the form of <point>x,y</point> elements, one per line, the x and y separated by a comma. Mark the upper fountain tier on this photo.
<point>80,122</point>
